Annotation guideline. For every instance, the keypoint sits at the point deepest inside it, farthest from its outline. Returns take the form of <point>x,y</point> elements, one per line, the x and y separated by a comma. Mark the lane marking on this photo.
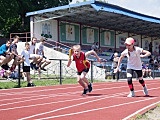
<point>126,118</point>
<point>90,110</point>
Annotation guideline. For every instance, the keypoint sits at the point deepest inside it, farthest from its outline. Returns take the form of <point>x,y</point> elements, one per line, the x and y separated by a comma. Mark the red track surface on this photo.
<point>107,101</point>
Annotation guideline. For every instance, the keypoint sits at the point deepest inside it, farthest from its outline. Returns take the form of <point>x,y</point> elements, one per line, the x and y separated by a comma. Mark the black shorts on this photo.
<point>139,72</point>
<point>84,70</point>
<point>26,68</point>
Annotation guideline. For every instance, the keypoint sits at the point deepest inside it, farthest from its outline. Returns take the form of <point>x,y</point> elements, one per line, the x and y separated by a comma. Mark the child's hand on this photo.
<point>99,59</point>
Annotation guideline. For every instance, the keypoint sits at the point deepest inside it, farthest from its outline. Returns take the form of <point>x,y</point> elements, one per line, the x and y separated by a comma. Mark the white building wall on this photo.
<point>38,28</point>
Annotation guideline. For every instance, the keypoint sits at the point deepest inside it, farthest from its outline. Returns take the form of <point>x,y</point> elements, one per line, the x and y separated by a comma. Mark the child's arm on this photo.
<point>119,62</point>
<point>146,53</point>
<point>70,54</point>
<point>94,53</point>
<point>69,62</point>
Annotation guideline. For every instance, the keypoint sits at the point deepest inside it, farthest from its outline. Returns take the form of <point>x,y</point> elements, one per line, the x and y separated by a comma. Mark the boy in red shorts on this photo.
<point>82,66</point>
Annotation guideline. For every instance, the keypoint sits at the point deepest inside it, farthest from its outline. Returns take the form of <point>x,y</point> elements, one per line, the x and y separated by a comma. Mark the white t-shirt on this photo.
<point>32,48</point>
<point>26,55</point>
<point>39,46</point>
<point>134,60</point>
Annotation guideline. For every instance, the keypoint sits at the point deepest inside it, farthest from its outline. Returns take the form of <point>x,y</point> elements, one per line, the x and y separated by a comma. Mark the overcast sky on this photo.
<point>147,7</point>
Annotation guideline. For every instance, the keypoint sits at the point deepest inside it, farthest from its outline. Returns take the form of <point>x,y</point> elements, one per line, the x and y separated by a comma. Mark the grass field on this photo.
<point>7,84</point>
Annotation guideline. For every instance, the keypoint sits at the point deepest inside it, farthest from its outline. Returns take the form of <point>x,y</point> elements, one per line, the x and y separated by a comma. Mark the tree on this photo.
<point>12,16</point>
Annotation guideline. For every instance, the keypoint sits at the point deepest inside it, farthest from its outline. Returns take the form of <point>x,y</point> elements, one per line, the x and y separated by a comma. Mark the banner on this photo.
<point>70,33</point>
<point>107,38</point>
<point>90,35</point>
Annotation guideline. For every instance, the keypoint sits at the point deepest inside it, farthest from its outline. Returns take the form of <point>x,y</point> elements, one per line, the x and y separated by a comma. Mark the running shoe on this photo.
<point>31,85</point>
<point>85,91</point>
<point>90,87</point>
<point>145,91</point>
<point>131,94</point>
<point>43,69</point>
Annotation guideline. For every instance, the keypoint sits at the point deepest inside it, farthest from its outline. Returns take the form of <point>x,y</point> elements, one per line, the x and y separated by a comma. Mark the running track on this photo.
<point>108,101</point>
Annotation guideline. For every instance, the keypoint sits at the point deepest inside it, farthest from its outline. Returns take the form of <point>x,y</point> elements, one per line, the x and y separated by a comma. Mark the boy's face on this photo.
<point>16,40</point>
<point>34,40</point>
<point>8,43</point>
<point>27,47</point>
<point>77,52</point>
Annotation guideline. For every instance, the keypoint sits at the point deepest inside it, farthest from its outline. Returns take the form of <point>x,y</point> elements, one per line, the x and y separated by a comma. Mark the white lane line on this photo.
<point>59,94</point>
<point>91,110</point>
<point>126,118</point>
<point>30,92</point>
<point>75,105</point>
<point>44,90</point>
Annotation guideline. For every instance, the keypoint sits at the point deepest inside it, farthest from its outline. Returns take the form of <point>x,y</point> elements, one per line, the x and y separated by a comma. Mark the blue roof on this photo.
<point>98,6</point>
<point>60,8</point>
<point>103,15</point>
<point>120,10</point>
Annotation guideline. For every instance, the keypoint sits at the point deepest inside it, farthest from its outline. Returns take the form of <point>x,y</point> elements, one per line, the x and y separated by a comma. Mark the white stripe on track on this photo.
<point>126,118</point>
<point>91,110</point>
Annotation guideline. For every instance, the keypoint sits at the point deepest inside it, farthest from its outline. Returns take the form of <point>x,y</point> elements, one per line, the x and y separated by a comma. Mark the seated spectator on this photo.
<point>5,55</point>
<point>40,51</point>
<point>95,46</point>
<point>123,67</point>
<point>18,59</point>
<point>149,70</point>
<point>144,69</point>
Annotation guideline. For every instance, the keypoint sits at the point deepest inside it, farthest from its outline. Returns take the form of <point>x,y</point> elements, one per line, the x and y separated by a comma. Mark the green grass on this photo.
<point>43,82</point>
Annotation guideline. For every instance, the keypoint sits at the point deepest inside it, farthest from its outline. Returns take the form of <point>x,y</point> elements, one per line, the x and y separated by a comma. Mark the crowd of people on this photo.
<point>32,57</point>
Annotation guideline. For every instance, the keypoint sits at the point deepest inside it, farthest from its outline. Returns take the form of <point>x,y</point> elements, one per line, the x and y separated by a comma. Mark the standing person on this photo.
<point>134,63</point>
<point>82,66</point>
<point>26,65</point>
<point>17,58</point>
<point>114,66</point>
<point>40,51</point>
<point>35,57</point>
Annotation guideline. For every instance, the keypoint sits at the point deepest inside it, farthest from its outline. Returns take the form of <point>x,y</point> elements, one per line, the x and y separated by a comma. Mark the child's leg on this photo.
<point>28,77</point>
<point>83,77</point>
<point>80,81</point>
<point>130,84</point>
<point>141,81</point>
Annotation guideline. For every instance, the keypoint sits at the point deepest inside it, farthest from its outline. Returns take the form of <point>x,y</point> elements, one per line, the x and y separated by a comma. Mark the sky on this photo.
<point>147,7</point>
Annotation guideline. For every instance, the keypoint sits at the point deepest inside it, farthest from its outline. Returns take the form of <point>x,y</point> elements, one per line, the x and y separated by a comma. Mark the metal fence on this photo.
<point>59,71</point>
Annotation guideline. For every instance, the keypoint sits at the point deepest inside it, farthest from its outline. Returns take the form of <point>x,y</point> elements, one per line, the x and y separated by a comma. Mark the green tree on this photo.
<point>12,15</point>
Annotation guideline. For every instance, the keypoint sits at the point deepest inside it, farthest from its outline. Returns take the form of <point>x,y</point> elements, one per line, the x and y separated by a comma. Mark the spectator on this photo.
<point>17,58</point>
<point>5,55</point>
<point>26,65</point>
<point>40,51</point>
<point>36,59</point>
<point>114,66</point>
<point>95,46</point>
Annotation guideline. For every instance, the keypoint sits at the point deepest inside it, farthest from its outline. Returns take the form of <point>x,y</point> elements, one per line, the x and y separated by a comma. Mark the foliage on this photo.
<point>12,15</point>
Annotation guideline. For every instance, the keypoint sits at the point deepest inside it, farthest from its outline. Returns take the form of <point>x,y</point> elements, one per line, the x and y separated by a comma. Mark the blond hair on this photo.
<point>76,47</point>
